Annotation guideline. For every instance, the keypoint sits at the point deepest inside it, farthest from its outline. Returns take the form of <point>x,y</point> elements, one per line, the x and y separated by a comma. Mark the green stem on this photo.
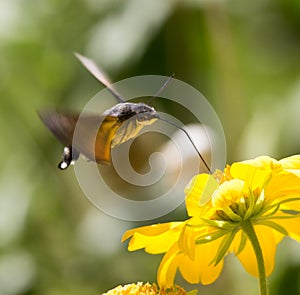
<point>248,229</point>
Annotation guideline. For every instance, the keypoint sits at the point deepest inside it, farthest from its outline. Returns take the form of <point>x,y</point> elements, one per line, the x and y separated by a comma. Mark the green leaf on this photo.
<point>291,212</point>
<point>267,208</point>
<point>225,244</point>
<point>207,238</point>
<point>192,292</point>
<point>242,243</point>
<point>219,224</point>
<point>275,226</point>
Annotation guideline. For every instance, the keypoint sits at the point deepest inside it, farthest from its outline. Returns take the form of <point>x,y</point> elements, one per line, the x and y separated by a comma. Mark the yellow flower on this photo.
<point>145,289</point>
<point>251,205</point>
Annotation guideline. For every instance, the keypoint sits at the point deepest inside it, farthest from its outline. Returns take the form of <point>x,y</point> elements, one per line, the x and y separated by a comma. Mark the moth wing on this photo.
<point>92,67</point>
<point>61,125</point>
<point>94,133</point>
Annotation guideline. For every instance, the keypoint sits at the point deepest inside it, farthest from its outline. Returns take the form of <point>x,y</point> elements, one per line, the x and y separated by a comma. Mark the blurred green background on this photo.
<point>244,56</point>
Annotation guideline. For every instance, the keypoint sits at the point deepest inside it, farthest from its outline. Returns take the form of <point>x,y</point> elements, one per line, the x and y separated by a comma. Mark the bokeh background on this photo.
<point>244,56</point>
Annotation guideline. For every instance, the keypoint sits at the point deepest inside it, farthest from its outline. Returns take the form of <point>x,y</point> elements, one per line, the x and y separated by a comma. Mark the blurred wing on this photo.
<point>91,66</point>
<point>61,125</point>
<point>87,127</point>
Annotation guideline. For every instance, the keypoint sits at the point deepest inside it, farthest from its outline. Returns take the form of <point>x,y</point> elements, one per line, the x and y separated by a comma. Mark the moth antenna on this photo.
<point>92,67</point>
<point>190,139</point>
<point>160,90</point>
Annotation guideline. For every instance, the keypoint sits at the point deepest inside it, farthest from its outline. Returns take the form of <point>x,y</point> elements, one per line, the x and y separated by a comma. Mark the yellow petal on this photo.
<point>195,271</point>
<point>292,162</point>
<point>199,192</point>
<point>282,186</point>
<point>268,242</point>
<point>254,177</point>
<point>154,238</point>
<point>264,163</point>
<point>168,267</point>
<point>291,226</point>
<point>186,241</point>
<point>294,171</point>
<point>201,269</point>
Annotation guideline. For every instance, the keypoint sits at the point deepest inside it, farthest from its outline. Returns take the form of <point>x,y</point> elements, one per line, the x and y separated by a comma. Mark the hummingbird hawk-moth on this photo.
<point>115,126</point>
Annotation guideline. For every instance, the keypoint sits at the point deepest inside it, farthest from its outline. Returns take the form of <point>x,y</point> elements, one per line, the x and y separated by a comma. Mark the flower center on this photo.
<point>145,289</point>
<point>234,201</point>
